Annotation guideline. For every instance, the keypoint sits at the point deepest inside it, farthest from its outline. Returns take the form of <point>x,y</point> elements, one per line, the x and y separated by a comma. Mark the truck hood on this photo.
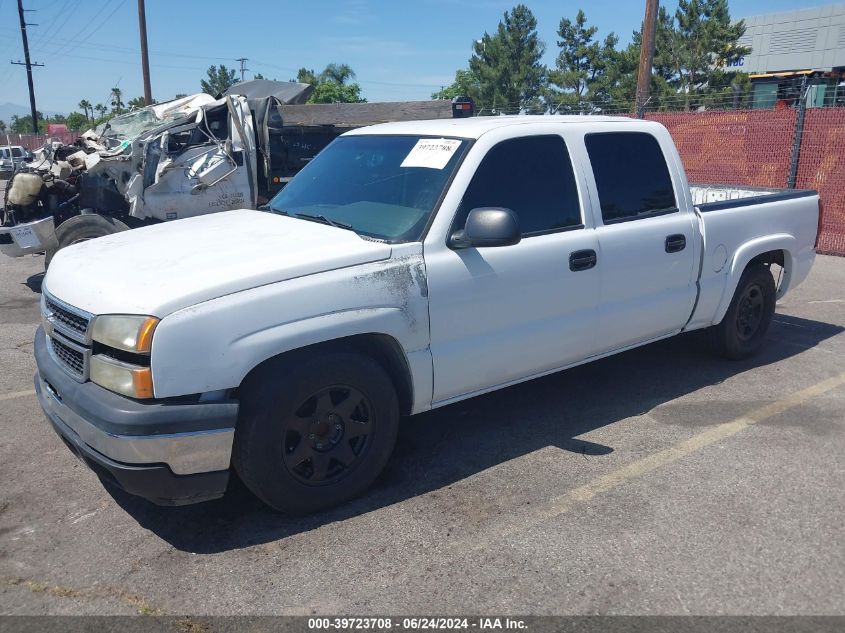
<point>159,269</point>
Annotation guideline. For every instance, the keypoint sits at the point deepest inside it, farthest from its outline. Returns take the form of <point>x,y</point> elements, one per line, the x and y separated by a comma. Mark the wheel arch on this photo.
<point>774,249</point>
<point>380,347</point>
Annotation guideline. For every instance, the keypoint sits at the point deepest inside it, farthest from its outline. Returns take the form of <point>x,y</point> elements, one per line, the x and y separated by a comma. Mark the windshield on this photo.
<point>381,186</point>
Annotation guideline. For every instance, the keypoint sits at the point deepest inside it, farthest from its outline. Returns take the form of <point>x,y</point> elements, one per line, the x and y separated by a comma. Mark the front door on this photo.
<point>502,314</point>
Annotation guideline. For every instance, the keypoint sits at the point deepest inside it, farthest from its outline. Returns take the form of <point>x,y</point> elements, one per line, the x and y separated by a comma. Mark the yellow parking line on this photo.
<point>565,502</point>
<point>16,394</point>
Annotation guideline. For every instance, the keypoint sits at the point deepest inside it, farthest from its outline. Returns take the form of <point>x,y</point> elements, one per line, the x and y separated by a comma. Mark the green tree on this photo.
<point>136,103</point>
<point>582,64</point>
<point>101,109</point>
<point>306,76</point>
<point>23,124</point>
<point>333,92</point>
<point>86,107</point>
<point>218,80</point>
<point>2,125</point>
<point>339,73</point>
<point>466,84</point>
<point>507,64</point>
<point>333,85</point>
<point>694,46</point>
<point>116,97</point>
<point>77,121</point>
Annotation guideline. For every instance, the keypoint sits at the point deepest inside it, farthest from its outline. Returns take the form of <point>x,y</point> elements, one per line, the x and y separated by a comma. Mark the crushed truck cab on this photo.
<point>408,266</point>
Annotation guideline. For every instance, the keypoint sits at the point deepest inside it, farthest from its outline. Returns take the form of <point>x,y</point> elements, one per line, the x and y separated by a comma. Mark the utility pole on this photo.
<point>646,57</point>
<point>29,66</point>
<point>145,58</point>
<point>243,61</point>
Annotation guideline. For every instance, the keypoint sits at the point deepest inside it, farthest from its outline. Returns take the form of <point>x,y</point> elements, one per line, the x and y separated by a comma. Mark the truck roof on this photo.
<point>476,126</point>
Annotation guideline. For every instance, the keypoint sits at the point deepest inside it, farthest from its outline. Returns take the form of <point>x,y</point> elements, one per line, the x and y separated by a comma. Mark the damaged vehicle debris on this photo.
<point>187,157</point>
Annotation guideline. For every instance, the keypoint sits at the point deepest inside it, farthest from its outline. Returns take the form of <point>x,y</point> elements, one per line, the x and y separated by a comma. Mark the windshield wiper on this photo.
<point>324,220</point>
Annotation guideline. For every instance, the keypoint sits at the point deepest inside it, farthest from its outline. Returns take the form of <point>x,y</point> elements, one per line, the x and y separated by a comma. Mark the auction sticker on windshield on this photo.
<point>433,153</point>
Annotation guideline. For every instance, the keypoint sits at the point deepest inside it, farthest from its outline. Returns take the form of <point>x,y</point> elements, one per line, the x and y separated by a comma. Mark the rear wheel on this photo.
<point>81,228</point>
<point>742,330</point>
<point>315,431</point>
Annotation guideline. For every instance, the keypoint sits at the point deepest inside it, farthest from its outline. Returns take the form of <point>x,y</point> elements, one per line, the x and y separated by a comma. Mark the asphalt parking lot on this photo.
<point>660,481</point>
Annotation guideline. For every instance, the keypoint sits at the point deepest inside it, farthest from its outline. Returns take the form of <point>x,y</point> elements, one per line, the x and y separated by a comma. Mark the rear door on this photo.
<point>646,243</point>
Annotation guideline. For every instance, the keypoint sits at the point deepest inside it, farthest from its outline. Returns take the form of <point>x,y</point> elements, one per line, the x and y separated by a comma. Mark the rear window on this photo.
<point>631,175</point>
<point>17,152</point>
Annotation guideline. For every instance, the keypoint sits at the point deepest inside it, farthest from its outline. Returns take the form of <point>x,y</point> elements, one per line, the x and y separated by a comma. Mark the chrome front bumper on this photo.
<point>187,437</point>
<point>184,453</point>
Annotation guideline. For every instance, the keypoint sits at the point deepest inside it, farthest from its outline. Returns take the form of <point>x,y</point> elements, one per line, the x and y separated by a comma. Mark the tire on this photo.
<point>742,330</point>
<point>315,431</point>
<point>80,228</point>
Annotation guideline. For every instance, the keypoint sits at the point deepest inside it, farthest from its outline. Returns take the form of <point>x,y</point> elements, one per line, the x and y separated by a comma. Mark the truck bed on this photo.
<point>710,197</point>
<point>738,220</point>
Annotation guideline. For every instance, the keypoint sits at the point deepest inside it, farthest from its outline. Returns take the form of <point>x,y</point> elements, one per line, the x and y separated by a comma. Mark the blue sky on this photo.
<point>401,50</point>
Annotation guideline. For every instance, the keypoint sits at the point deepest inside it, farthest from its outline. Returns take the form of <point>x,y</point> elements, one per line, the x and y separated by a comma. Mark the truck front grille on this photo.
<point>68,329</point>
<point>63,317</point>
<point>72,360</point>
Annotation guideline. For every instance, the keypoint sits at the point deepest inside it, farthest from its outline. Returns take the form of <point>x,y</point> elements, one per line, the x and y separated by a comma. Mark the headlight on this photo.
<point>129,333</point>
<point>114,375</point>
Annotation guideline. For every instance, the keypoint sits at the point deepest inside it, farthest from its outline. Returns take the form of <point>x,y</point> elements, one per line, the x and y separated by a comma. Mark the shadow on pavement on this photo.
<point>440,447</point>
<point>33,282</point>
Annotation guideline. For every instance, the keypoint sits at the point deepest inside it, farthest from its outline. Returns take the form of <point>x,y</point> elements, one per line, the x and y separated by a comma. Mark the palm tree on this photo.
<point>85,106</point>
<point>339,73</point>
<point>101,109</point>
<point>136,103</point>
<point>117,104</point>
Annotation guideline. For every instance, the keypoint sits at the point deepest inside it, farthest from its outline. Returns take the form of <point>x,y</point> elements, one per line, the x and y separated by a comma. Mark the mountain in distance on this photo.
<point>8,109</point>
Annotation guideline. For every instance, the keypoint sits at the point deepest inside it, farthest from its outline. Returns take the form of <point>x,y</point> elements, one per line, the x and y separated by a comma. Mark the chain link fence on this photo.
<point>34,141</point>
<point>723,141</point>
<point>795,139</point>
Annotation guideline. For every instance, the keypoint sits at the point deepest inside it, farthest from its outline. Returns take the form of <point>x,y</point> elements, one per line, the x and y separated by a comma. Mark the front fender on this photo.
<point>212,346</point>
<point>748,251</point>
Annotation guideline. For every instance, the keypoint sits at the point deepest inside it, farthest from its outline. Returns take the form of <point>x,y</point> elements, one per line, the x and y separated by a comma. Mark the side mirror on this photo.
<point>488,226</point>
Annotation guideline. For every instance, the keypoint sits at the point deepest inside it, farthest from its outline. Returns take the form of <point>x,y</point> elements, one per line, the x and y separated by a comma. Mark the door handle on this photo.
<point>582,260</point>
<point>675,243</point>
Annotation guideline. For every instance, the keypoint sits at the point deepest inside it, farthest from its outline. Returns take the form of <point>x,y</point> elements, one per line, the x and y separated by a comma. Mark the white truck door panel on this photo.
<point>502,314</point>
<point>646,292</point>
<point>647,246</point>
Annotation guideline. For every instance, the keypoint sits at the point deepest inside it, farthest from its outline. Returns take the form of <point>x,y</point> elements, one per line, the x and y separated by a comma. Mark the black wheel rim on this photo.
<point>328,435</point>
<point>749,313</point>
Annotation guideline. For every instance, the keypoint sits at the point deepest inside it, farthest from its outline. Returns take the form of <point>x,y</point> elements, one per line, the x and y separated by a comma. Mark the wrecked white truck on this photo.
<point>183,158</point>
<point>186,157</point>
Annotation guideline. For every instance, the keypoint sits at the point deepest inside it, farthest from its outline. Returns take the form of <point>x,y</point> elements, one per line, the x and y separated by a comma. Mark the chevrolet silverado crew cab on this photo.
<point>408,266</point>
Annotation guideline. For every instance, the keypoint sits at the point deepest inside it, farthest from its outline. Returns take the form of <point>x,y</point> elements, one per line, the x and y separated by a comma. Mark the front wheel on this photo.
<point>315,431</point>
<point>742,330</point>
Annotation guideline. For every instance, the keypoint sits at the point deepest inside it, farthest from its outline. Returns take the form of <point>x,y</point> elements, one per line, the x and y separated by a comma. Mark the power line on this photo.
<point>94,29</point>
<point>43,34</point>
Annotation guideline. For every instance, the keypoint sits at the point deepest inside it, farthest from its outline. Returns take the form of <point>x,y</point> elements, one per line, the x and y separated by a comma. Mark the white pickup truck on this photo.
<point>408,266</point>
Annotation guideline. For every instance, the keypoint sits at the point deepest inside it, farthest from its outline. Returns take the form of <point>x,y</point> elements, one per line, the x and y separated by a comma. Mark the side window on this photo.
<point>532,177</point>
<point>631,175</point>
